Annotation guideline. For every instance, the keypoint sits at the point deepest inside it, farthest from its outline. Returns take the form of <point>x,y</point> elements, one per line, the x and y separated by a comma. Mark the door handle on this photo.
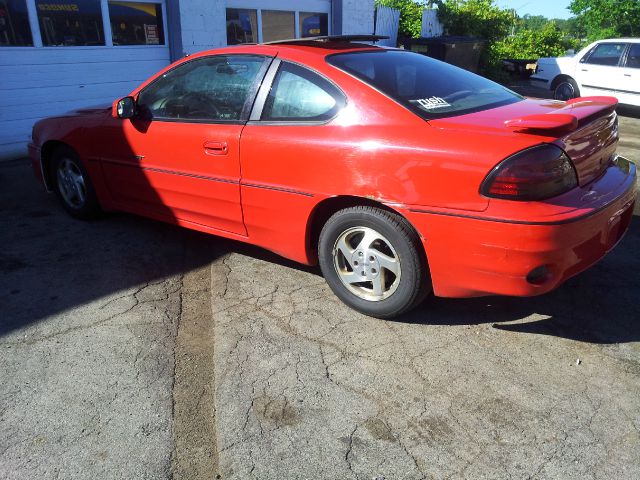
<point>216,148</point>
<point>627,74</point>
<point>584,70</point>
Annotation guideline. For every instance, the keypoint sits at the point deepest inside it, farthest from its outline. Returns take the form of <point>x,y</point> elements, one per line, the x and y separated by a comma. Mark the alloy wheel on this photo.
<point>71,183</point>
<point>366,263</point>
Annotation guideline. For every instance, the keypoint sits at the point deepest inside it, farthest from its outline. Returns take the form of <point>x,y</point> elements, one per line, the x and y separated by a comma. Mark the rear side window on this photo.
<point>428,87</point>
<point>298,94</point>
<point>633,59</point>
<point>607,54</point>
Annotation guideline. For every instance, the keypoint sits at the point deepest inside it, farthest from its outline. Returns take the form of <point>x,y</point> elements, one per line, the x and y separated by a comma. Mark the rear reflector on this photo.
<point>536,173</point>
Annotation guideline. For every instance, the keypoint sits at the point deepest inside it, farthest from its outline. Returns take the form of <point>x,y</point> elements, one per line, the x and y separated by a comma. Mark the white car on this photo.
<point>606,67</point>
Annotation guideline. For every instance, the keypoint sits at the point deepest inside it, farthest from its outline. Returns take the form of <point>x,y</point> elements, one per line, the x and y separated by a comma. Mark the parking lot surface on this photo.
<point>134,349</point>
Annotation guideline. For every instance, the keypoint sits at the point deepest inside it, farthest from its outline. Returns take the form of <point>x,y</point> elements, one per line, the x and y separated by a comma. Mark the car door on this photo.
<point>284,151</point>
<point>599,72</point>
<point>178,158</point>
<point>629,92</point>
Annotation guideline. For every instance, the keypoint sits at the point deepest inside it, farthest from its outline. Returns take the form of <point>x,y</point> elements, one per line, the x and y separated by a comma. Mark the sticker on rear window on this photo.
<point>431,103</point>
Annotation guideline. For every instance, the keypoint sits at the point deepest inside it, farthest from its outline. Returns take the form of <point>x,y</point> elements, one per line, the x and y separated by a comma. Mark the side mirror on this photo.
<point>125,108</point>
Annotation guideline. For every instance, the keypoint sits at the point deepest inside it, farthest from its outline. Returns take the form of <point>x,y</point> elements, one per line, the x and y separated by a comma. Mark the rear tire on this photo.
<point>72,184</point>
<point>373,261</point>
<point>566,89</point>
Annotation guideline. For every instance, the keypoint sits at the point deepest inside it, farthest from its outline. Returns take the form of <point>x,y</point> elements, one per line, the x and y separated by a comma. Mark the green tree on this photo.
<point>607,18</point>
<point>532,22</point>
<point>410,24</point>
<point>547,41</point>
<point>478,18</point>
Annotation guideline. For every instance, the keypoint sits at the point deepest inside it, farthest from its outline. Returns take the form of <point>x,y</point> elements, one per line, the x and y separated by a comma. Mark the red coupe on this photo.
<point>399,174</point>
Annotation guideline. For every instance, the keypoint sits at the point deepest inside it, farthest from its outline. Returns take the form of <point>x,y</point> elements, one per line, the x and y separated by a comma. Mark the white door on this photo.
<point>599,71</point>
<point>629,92</point>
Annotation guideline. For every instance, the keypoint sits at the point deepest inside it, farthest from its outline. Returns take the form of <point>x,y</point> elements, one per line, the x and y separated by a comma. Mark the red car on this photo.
<point>401,175</point>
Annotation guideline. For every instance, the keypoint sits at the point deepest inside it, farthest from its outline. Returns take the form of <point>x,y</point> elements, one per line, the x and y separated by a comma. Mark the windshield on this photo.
<point>428,87</point>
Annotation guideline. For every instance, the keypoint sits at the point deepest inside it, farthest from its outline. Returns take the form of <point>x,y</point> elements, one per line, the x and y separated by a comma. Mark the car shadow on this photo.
<point>628,111</point>
<point>52,264</point>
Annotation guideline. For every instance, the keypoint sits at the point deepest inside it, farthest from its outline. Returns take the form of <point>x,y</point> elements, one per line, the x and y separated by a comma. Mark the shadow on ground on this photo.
<point>51,263</point>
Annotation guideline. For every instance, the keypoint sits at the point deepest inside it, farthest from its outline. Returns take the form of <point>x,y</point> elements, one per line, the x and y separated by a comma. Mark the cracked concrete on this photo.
<point>305,388</point>
<point>480,388</point>
<point>89,315</point>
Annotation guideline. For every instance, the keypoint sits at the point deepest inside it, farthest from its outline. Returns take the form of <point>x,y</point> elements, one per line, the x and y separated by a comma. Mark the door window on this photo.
<point>633,59</point>
<point>607,54</point>
<point>216,89</point>
<point>298,94</point>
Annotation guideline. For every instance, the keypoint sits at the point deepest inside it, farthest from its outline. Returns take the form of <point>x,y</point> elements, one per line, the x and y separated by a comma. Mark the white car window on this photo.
<point>633,59</point>
<point>606,54</point>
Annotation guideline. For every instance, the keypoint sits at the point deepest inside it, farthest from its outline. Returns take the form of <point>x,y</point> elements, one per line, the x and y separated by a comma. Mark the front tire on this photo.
<point>566,89</point>
<point>72,184</point>
<point>373,261</point>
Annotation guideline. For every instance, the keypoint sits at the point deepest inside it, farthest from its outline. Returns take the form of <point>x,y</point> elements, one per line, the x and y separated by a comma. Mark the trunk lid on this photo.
<point>585,128</point>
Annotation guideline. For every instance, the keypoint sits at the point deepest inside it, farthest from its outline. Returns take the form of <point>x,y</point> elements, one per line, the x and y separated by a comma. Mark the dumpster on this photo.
<point>463,52</point>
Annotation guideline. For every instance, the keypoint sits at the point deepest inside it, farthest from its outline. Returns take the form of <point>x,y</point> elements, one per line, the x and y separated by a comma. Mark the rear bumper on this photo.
<point>474,256</point>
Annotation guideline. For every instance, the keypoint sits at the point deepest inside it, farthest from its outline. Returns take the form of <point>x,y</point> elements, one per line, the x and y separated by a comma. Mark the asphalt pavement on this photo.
<point>134,349</point>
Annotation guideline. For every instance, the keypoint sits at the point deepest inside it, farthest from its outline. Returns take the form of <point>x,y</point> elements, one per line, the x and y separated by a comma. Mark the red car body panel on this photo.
<point>262,183</point>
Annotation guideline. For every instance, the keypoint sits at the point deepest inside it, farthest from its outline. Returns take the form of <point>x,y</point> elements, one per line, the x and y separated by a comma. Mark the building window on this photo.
<point>313,24</point>
<point>70,23</point>
<point>277,25</point>
<point>242,26</point>
<point>136,23</point>
<point>14,24</point>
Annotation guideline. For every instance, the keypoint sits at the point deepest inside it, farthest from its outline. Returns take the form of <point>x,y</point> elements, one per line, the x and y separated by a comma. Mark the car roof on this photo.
<point>618,40</point>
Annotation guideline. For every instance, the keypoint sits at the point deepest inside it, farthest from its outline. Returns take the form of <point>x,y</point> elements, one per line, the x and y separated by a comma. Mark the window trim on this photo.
<point>249,102</point>
<point>625,63</point>
<point>268,82</point>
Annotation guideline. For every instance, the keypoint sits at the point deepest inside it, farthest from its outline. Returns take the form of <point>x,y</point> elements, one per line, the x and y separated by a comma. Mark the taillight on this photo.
<point>536,173</point>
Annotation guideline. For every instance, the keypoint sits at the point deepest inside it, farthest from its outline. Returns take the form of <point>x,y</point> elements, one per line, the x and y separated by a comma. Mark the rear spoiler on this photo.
<point>566,118</point>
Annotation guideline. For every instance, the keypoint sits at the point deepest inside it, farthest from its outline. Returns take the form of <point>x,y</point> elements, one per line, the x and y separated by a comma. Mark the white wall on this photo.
<point>203,24</point>
<point>39,82</point>
<point>357,16</point>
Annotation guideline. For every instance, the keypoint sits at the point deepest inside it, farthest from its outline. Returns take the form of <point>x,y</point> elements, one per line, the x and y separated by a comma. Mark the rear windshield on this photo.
<point>428,87</point>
